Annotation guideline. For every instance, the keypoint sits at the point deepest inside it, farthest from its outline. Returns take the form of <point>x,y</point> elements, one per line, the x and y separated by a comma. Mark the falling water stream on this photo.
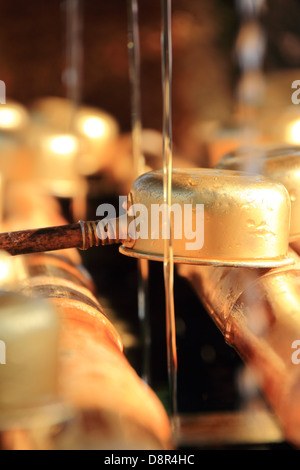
<point>72,78</point>
<point>139,167</point>
<point>74,53</point>
<point>167,179</point>
<point>143,267</point>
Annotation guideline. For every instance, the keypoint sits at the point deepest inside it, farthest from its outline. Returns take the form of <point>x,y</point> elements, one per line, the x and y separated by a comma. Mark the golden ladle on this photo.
<point>281,164</point>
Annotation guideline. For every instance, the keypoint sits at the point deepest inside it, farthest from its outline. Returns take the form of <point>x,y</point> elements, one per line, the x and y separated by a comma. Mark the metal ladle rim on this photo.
<point>246,263</point>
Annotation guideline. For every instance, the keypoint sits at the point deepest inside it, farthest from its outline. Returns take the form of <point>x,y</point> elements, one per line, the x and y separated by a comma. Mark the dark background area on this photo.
<point>32,59</point>
<point>205,70</point>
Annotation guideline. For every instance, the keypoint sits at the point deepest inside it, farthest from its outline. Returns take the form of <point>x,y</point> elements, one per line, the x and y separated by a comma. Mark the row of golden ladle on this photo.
<point>251,209</point>
<point>246,218</point>
<point>250,205</point>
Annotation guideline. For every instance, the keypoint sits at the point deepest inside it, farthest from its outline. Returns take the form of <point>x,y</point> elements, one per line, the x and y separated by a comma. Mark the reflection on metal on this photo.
<point>92,368</point>
<point>258,313</point>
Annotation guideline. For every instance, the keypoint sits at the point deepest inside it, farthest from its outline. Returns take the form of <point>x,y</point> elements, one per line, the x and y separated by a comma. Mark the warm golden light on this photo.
<point>9,118</point>
<point>13,116</point>
<point>63,145</point>
<point>56,163</point>
<point>293,133</point>
<point>4,270</point>
<point>11,270</point>
<point>94,127</point>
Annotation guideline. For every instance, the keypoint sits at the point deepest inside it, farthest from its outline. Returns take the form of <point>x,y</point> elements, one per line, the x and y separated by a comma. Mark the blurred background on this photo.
<point>32,61</point>
<point>206,74</point>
